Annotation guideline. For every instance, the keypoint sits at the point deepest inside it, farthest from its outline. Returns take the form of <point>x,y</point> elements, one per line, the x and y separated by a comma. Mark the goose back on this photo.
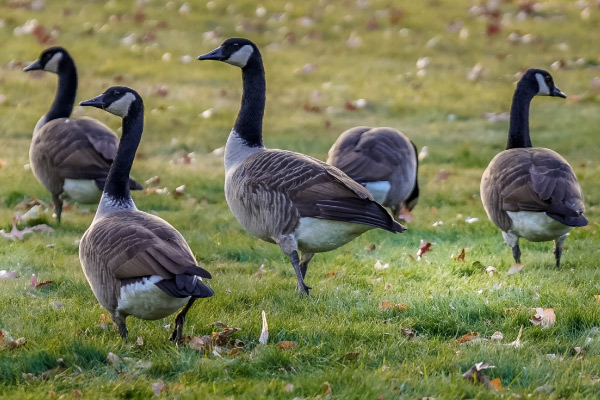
<point>381,154</point>
<point>532,180</point>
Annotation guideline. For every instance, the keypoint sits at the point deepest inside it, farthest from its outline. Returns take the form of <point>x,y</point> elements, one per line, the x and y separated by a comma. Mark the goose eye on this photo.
<point>547,79</point>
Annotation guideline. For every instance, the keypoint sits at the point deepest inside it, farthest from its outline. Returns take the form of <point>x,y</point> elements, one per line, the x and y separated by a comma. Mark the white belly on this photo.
<point>536,226</point>
<point>378,189</point>
<point>82,191</point>
<point>146,301</point>
<point>318,235</point>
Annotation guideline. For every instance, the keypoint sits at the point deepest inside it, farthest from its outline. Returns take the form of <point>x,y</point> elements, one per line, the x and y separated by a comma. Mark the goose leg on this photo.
<point>558,243</point>
<point>58,205</point>
<point>302,288</point>
<point>289,245</point>
<point>304,260</point>
<point>119,319</point>
<point>177,335</point>
<point>513,241</point>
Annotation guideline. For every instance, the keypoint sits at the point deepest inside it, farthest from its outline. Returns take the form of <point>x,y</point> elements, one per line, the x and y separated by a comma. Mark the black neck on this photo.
<point>67,89</point>
<point>117,183</point>
<point>248,124</point>
<point>518,134</point>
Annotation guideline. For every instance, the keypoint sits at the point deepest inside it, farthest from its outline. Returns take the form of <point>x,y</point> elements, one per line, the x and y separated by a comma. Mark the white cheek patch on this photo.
<point>240,58</point>
<point>52,65</point>
<point>544,89</point>
<point>121,106</point>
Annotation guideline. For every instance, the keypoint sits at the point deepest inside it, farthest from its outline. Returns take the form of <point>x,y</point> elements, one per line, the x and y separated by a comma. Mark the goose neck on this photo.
<point>518,134</point>
<point>248,124</point>
<point>65,93</point>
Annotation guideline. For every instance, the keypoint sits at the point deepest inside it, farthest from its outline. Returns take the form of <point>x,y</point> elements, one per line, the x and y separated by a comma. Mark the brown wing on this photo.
<point>134,244</point>
<point>313,188</point>
<point>371,154</point>
<point>538,180</point>
<point>80,148</point>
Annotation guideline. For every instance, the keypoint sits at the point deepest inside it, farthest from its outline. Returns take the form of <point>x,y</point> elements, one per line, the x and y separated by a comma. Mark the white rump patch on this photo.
<point>121,106</point>
<point>240,58</point>
<point>536,226</point>
<point>52,65</point>
<point>146,301</point>
<point>544,89</point>
<point>82,191</point>
<point>378,189</point>
<point>316,235</point>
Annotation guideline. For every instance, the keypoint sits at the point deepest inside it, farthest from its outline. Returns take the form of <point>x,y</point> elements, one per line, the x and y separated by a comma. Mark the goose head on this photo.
<point>117,100</point>
<point>53,59</point>
<point>540,83</point>
<point>235,51</point>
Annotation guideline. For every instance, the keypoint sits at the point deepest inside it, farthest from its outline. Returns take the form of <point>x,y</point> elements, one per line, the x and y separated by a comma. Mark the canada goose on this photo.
<point>136,263</point>
<point>70,157</point>
<point>531,192</point>
<point>282,197</point>
<point>384,161</point>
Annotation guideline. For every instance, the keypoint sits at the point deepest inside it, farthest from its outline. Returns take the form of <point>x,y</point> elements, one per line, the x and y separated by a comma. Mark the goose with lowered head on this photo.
<point>136,263</point>
<point>384,161</point>
<point>293,200</point>
<point>70,157</point>
<point>531,192</point>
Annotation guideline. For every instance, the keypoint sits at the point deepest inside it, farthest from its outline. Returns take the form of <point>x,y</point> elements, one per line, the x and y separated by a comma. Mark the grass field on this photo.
<point>319,55</point>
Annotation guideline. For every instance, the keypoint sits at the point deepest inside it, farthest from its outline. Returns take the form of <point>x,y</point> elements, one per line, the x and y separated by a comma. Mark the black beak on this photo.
<point>97,102</point>
<point>33,66</point>
<point>557,93</point>
<point>216,54</point>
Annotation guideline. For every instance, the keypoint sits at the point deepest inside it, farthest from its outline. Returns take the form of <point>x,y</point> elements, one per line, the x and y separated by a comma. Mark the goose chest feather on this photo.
<point>136,263</point>
<point>293,200</point>
<point>70,157</point>
<point>531,192</point>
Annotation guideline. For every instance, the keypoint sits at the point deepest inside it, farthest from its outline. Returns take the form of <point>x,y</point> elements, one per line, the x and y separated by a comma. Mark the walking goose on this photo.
<point>70,157</point>
<point>384,161</point>
<point>531,192</point>
<point>136,263</point>
<point>293,200</point>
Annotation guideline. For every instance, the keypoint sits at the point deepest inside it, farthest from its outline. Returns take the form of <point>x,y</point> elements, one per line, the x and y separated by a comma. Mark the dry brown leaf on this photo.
<point>370,247</point>
<point>461,256</point>
<point>475,374</point>
<point>468,337</point>
<point>517,343</point>
<point>424,247</point>
<point>409,333</point>
<point>496,383</point>
<point>153,181</point>
<point>77,394</point>
<point>386,304</point>
<point>222,338</point>
<point>515,269</point>
<point>327,388</point>
<point>139,341</point>
<point>287,345</point>
<point>497,336</point>
<point>544,317</point>
<point>442,175</point>
<point>158,388</point>
<point>404,214</point>
<point>264,333</point>
<point>36,284</point>
<point>349,357</point>
<point>201,343</point>
<point>378,266</point>
<point>330,274</point>
<point>5,275</point>
<point>17,234</point>
<point>262,272</point>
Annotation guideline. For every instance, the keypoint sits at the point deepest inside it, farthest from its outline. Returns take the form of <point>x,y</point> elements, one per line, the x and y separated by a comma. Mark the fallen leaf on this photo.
<point>77,394</point>
<point>475,374</point>
<point>262,272</point>
<point>350,107</point>
<point>330,274</point>
<point>36,284</point>
<point>326,388</point>
<point>139,341</point>
<point>379,266</point>
<point>442,175</point>
<point>371,247</point>
<point>201,343</point>
<point>424,247</point>
<point>461,256</point>
<point>423,153</point>
<point>158,388</point>
<point>407,332</point>
<point>114,360</point>
<point>57,305</point>
<point>496,383</point>
<point>264,334</point>
<point>287,345</point>
<point>179,191</point>
<point>13,344</point>
<point>491,270</point>
<point>5,275</point>
<point>544,317</point>
<point>497,336</point>
<point>17,234</point>
<point>288,388</point>
<point>222,338</point>
<point>386,304</point>
<point>153,181</point>
<point>515,269</point>
<point>517,343</point>
<point>467,337</point>
<point>349,357</point>
<point>405,214</point>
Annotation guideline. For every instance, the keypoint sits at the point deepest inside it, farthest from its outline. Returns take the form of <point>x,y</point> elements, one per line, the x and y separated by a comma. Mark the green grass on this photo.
<point>442,110</point>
